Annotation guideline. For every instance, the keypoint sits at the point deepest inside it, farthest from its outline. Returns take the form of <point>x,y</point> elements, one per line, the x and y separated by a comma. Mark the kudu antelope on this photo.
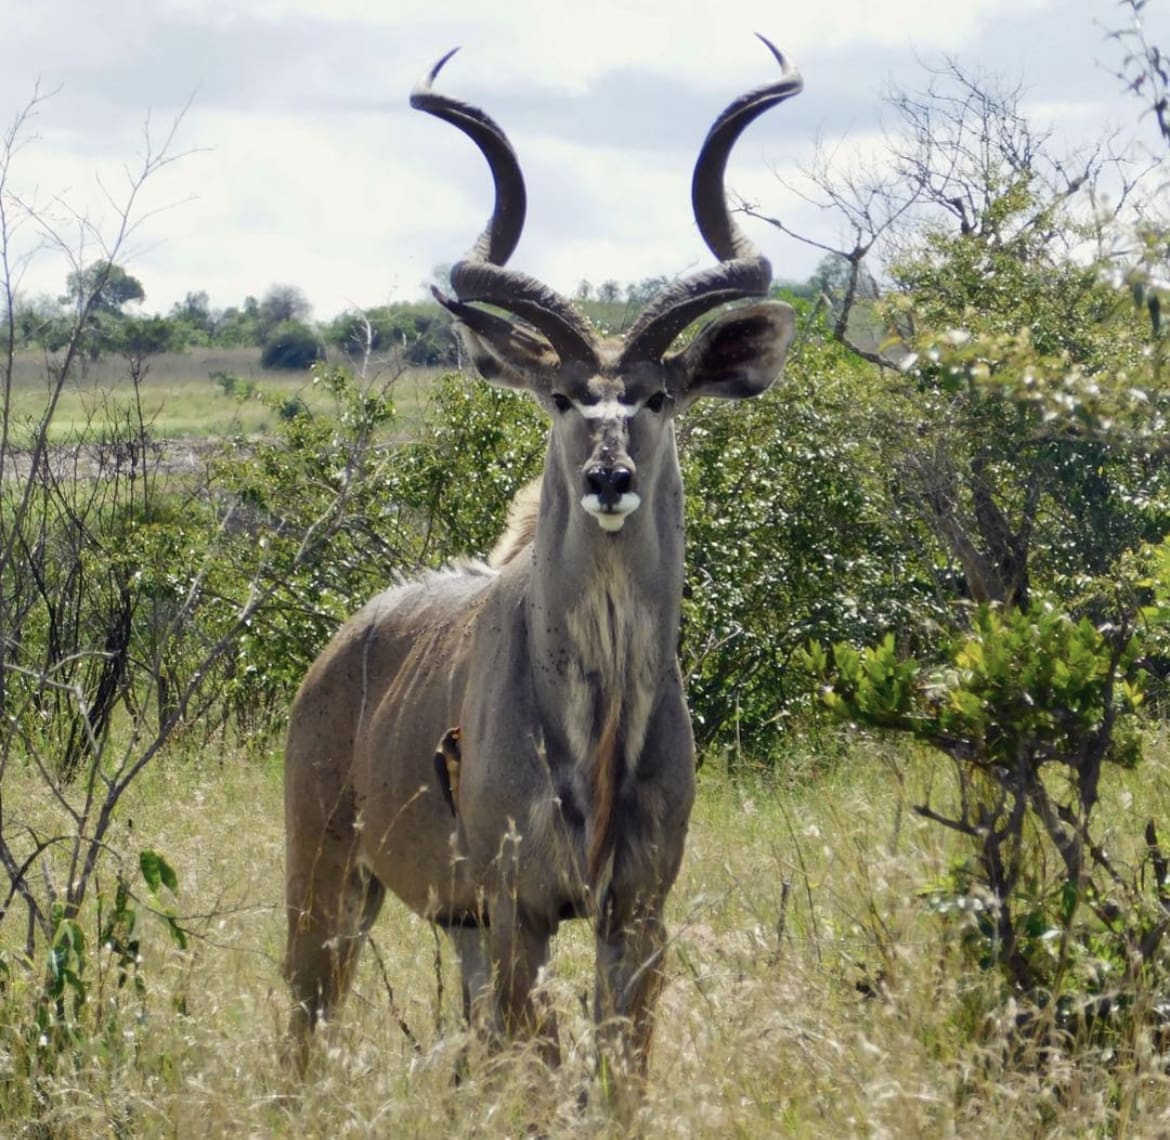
<point>507,746</point>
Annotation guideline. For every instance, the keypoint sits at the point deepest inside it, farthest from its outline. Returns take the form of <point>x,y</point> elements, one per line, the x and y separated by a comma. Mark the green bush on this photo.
<point>420,333</point>
<point>478,446</point>
<point>292,345</point>
<point>331,511</point>
<point>1032,711</point>
<point>790,536</point>
<point>241,387</point>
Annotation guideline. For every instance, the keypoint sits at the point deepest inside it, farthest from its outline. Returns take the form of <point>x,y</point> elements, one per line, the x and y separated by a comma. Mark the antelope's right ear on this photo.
<point>517,359</point>
<point>503,352</point>
<point>737,355</point>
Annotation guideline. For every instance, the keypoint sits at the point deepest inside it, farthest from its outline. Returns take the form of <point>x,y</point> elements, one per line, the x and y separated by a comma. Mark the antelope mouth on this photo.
<point>611,517</point>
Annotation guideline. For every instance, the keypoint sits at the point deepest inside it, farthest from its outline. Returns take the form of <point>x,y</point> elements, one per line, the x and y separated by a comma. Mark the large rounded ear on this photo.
<point>506,353</point>
<point>737,355</point>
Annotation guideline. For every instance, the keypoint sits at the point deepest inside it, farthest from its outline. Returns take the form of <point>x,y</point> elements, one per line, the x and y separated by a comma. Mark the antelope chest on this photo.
<point>611,672</point>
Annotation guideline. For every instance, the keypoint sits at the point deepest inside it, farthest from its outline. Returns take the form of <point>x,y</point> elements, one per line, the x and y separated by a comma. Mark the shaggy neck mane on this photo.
<point>520,527</point>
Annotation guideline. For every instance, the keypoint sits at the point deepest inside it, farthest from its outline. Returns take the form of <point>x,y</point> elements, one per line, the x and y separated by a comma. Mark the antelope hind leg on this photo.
<point>330,913</point>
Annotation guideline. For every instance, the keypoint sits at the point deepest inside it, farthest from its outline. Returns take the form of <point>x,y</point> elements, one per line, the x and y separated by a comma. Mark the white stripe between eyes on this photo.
<point>606,410</point>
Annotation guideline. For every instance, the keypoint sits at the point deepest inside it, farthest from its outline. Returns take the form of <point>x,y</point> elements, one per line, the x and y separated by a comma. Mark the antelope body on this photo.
<point>507,746</point>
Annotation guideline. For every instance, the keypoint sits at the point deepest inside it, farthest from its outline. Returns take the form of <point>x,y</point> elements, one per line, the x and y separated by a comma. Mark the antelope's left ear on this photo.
<point>737,355</point>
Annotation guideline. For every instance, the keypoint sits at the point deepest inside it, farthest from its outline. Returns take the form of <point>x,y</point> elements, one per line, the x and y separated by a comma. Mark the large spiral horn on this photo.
<point>743,270</point>
<point>481,274</point>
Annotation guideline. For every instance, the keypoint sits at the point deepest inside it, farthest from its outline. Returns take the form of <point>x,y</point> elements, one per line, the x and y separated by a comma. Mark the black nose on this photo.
<point>609,484</point>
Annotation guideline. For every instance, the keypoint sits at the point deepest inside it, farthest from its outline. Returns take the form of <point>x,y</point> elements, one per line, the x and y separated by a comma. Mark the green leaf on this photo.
<point>158,872</point>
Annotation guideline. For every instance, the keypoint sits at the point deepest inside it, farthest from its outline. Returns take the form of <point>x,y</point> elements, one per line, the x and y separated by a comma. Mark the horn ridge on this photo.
<point>566,330</point>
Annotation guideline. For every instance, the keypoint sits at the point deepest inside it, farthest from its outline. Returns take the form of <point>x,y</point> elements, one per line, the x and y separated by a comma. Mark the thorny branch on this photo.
<point>1145,69</point>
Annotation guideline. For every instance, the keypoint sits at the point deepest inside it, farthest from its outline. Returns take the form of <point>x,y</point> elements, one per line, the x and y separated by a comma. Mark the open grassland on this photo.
<point>180,399</point>
<point>811,991</point>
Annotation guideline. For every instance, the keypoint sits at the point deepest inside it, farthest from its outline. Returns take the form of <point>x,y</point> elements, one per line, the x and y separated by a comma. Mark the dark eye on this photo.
<point>656,402</point>
<point>561,403</point>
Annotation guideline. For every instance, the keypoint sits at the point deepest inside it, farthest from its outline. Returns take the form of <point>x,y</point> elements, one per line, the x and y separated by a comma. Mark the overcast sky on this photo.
<point>307,167</point>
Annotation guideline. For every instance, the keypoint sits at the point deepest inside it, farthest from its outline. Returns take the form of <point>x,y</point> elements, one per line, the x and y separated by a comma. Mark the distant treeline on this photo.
<point>280,324</point>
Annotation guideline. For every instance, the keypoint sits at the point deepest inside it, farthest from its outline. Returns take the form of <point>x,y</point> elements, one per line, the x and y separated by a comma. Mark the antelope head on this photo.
<point>612,400</point>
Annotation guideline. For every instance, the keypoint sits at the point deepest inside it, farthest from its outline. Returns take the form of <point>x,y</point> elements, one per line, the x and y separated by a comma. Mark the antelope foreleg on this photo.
<point>630,971</point>
<point>519,948</point>
<point>475,970</point>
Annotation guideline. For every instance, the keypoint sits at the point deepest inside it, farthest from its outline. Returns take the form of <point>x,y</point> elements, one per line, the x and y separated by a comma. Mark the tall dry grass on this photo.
<point>811,991</point>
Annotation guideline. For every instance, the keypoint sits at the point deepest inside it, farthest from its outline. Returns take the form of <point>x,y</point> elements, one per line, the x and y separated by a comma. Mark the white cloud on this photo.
<point>570,44</point>
<point>316,174</point>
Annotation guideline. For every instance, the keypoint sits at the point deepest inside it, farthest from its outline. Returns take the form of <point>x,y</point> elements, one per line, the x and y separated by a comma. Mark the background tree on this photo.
<point>638,293</point>
<point>95,298</point>
<point>138,339</point>
<point>104,287</point>
<point>286,338</point>
<point>978,233</point>
<point>40,322</point>
<point>609,291</point>
<point>416,333</point>
<point>280,304</point>
<point>239,325</point>
<point>195,315</point>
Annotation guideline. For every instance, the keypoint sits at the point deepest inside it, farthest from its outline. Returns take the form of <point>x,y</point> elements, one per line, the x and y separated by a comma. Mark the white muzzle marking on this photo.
<point>614,519</point>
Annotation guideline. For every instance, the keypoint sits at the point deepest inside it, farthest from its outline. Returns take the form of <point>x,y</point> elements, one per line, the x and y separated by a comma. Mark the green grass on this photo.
<point>179,398</point>
<point>810,992</point>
